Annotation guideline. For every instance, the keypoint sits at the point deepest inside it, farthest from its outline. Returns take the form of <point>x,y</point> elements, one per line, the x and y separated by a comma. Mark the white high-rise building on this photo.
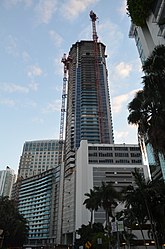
<point>151,34</point>
<point>97,163</point>
<point>7,179</point>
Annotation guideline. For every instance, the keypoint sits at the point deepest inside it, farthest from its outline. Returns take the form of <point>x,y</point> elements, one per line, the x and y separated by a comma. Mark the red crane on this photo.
<point>97,73</point>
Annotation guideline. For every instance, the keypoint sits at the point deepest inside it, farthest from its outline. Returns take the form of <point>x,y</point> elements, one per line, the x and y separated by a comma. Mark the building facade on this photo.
<point>88,115</point>
<point>88,103</point>
<point>39,202</point>
<point>109,163</point>
<point>153,33</point>
<point>38,191</point>
<point>7,179</point>
<point>37,157</point>
<point>147,38</point>
<point>97,163</point>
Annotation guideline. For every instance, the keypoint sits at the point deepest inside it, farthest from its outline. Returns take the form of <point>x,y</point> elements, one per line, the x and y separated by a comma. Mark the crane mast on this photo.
<point>93,19</point>
<point>97,73</point>
<point>65,60</point>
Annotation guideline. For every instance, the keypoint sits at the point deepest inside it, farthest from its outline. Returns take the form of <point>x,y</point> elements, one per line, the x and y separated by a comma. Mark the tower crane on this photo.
<point>65,60</point>
<point>97,73</point>
<point>93,19</point>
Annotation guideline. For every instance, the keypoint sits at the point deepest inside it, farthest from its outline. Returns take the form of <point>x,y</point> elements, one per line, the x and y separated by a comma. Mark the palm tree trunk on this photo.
<point>91,219</point>
<point>108,227</point>
<point>152,225</point>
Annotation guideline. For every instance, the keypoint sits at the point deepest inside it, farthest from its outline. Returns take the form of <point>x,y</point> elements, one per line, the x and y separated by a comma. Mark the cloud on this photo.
<point>118,101</point>
<point>45,10</point>
<point>10,3</point>
<point>11,46</point>
<point>58,66</point>
<point>33,86</point>
<point>25,56</point>
<point>122,9</point>
<point>123,69</point>
<point>121,135</point>
<point>126,135</point>
<point>11,88</point>
<point>34,71</point>
<point>108,32</point>
<point>38,120</point>
<point>56,38</point>
<point>8,102</point>
<point>58,88</point>
<point>72,8</point>
<point>111,35</point>
<point>54,106</point>
<point>15,88</point>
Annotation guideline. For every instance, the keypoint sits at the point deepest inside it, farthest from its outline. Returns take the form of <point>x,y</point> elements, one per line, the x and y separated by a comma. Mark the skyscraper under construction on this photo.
<point>88,115</point>
<point>88,104</point>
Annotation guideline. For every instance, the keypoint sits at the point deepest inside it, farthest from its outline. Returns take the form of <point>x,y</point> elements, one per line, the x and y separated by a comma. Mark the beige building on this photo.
<point>7,179</point>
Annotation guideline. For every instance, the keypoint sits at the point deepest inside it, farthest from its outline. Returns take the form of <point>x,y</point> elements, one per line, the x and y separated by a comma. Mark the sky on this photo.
<point>34,35</point>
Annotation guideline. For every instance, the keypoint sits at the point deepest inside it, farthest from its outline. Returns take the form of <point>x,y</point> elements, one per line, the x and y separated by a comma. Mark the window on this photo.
<point>121,155</point>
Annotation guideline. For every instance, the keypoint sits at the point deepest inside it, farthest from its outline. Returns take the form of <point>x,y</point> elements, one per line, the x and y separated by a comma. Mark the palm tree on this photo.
<point>108,197</point>
<point>91,203</point>
<point>147,109</point>
<point>154,92</point>
<point>148,196</point>
<point>144,192</point>
<point>133,215</point>
<point>158,208</point>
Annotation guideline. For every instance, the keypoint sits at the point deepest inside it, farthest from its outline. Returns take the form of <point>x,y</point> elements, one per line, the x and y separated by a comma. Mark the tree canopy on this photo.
<point>147,109</point>
<point>143,207</point>
<point>139,10</point>
<point>14,225</point>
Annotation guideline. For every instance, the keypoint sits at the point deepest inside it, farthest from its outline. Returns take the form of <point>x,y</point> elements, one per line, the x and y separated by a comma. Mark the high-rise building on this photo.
<point>38,203</point>
<point>37,157</point>
<point>88,104</point>
<point>38,191</point>
<point>97,163</point>
<point>151,34</point>
<point>88,115</point>
<point>90,155</point>
<point>7,179</point>
<point>147,38</point>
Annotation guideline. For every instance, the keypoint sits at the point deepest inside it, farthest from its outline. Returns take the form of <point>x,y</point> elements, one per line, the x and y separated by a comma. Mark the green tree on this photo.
<point>154,95</point>
<point>13,224</point>
<point>91,203</point>
<point>146,200</point>
<point>87,233</point>
<point>147,109</point>
<point>139,10</point>
<point>108,197</point>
